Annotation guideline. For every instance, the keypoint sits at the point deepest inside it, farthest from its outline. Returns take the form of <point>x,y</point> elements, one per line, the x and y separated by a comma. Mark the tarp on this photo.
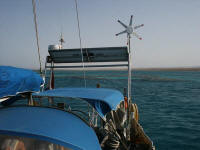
<point>102,99</point>
<point>48,124</point>
<point>17,80</point>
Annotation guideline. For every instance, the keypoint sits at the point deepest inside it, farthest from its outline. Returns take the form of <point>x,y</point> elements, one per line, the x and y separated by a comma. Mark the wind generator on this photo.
<point>61,41</point>
<point>129,30</point>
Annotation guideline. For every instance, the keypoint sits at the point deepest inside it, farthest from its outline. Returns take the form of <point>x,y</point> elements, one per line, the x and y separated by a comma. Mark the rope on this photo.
<point>36,32</point>
<point>80,42</point>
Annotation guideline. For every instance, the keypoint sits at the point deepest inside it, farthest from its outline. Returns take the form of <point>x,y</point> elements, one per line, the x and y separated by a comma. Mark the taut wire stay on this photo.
<point>80,41</point>
<point>36,32</point>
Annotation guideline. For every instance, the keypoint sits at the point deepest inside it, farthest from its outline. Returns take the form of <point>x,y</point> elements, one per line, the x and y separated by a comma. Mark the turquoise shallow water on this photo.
<point>168,102</point>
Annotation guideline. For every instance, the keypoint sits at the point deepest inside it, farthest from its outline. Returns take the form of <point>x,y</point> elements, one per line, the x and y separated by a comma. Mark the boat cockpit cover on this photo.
<point>14,81</point>
<point>48,124</point>
<point>102,99</point>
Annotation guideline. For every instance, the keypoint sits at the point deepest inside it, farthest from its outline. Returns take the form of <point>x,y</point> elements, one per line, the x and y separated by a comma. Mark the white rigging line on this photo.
<point>36,32</point>
<point>83,64</point>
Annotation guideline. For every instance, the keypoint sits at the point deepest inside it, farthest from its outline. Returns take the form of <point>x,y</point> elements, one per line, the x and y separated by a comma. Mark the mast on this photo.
<point>129,30</point>
<point>129,86</point>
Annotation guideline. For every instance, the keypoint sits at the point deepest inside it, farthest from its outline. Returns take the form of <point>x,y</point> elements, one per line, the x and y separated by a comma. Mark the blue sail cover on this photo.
<point>17,80</point>
<point>48,124</point>
<point>102,99</point>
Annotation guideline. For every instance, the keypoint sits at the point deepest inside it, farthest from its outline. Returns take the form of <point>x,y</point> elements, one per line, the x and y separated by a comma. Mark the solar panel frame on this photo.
<point>101,54</point>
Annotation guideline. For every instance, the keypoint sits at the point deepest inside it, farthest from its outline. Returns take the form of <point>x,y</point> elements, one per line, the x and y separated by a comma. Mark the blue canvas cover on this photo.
<point>102,99</point>
<point>48,124</point>
<point>17,80</point>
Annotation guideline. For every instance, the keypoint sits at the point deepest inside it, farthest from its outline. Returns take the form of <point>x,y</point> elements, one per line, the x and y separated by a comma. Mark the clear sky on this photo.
<point>171,32</point>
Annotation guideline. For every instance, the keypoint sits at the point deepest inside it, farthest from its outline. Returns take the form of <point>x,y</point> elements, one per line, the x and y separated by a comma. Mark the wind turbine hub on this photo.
<point>129,30</point>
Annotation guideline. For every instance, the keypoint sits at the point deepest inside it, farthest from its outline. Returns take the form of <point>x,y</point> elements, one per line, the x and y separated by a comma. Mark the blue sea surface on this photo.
<point>168,102</point>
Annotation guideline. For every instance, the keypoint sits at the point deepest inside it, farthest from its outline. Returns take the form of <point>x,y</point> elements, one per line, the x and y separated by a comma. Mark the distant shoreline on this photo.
<point>169,69</point>
<point>137,69</point>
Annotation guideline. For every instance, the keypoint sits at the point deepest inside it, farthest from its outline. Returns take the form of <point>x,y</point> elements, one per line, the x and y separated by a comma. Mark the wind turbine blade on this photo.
<point>125,26</point>
<point>121,32</point>
<point>136,27</point>
<point>131,20</point>
<point>137,36</point>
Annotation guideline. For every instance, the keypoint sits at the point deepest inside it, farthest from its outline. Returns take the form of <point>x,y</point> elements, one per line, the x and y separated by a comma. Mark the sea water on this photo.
<point>168,102</point>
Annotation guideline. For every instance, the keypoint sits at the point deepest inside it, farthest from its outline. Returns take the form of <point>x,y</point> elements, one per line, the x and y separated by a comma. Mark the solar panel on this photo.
<point>103,54</point>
